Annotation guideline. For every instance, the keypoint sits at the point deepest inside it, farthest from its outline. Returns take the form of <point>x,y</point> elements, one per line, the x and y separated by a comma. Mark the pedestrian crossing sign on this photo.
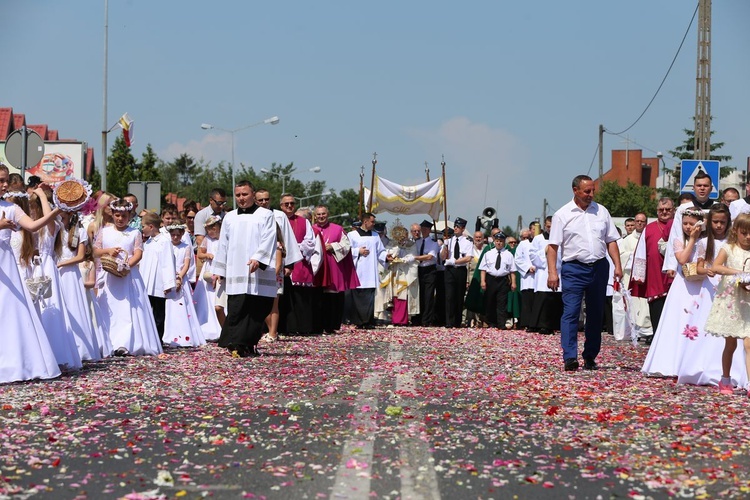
<point>690,168</point>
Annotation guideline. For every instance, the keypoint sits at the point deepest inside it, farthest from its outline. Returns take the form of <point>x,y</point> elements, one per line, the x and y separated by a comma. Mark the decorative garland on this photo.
<point>124,208</point>
<point>16,194</point>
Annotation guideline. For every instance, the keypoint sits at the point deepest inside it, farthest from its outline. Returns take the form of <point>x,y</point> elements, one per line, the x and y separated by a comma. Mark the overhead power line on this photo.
<point>665,76</point>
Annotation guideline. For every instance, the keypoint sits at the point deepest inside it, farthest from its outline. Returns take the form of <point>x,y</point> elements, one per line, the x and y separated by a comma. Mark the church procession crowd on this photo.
<point>110,280</point>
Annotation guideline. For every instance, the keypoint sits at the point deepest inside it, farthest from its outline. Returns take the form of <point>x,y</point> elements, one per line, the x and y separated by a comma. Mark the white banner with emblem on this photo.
<point>424,198</point>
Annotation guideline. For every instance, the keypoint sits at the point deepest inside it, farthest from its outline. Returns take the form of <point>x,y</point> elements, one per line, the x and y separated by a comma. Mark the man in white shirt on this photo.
<point>526,269</point>
<point>217,203</point>
<point>427,256</point>
<point>498,279</point>
<point>583,232</point>
<point>456,253</point>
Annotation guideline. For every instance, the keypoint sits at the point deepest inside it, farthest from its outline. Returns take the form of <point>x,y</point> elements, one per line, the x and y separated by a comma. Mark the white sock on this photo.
<point>726,381</point>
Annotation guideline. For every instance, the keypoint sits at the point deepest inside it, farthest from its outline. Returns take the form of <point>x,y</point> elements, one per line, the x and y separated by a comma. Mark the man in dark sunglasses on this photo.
<point>217,204</point>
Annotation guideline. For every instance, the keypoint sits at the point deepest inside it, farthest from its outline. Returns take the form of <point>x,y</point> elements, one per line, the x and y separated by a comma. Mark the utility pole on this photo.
<point>702,150</point>
<point>601,154</point>
<point>519,226</point>
<point>544,210</point>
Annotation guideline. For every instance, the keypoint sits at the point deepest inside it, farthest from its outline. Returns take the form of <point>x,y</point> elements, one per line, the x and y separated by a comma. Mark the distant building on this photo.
<point>629,165</point>
<point>59,153</point>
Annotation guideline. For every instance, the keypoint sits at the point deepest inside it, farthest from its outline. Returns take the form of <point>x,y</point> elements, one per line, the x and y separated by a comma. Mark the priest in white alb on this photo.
<point>245,259</point>
<point>367,251</point>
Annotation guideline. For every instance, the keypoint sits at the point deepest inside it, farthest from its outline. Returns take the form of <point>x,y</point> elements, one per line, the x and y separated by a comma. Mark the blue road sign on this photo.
<point>688,170</point>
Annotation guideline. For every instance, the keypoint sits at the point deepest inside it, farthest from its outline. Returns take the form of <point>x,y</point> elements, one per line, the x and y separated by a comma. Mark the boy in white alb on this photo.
<point>157,267</point>
<point>498,275</point>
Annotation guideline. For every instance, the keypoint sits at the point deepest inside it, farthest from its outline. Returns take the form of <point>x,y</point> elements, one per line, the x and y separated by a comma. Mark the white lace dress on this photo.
<point>74,296</point>
<point>701,359</point>
<point>53,310</point>
<point>730,313</point>
<point>181,326</point>
<point>26,353</point>
<point>204,296</point>
<point>680,321</point>
<point>125,310</point>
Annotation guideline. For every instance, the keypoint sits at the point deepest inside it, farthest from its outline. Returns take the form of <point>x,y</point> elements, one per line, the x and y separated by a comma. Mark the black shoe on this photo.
<point>571,364</point>
<point>590,364</point>
<point>546,331</point>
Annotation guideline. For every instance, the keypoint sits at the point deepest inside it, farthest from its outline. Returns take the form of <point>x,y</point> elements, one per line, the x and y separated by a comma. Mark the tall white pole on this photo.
<point>234,200</point>
<point>103,168</point>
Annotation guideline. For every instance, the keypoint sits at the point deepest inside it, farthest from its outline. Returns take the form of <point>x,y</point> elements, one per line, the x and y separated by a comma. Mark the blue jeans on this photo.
<point>578,282</point>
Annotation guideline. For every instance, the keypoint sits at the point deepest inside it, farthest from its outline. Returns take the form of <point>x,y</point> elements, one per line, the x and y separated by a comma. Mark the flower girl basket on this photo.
<point>39,285</point>
<point>116,265</point>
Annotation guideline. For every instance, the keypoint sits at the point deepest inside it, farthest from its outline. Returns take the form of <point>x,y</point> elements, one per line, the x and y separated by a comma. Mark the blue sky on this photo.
<point>511,93</point>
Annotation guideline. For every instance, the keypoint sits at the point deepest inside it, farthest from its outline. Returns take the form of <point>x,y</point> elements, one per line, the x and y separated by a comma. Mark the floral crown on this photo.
<point>120,208</point>
<point>176,227</point>
<point>16,194</point>
<point>211,220</point>
<point>693,212</point>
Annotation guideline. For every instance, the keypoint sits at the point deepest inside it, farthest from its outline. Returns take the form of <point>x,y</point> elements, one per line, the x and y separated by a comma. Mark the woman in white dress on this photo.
<point>686,299</point>
<point>52,310</point>
<point>126,312</point>
<point>698,364</point>
<point>74,239</point>
<point>26,353</point>
<point>209,314</point>
<point>181,326</point>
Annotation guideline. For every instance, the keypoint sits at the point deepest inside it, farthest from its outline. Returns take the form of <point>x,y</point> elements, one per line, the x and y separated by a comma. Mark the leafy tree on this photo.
<point>509,231</point>
<point>168,179</point>
<point>347,201</point>
<point>95,180</point>
<point>186,168</point>
<point>686,150</point>
<point>147,169</point>
<point>120,168</point>
<point>626,201</point>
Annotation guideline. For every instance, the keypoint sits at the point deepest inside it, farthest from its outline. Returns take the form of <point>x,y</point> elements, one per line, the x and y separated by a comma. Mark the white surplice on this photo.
<point>253,237</point>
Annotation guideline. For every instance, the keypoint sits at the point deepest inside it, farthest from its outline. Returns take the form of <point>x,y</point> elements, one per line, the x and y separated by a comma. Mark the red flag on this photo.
<point>127,129</point>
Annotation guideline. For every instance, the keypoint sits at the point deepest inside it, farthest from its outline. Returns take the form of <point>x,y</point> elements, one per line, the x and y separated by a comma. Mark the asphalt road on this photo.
<point>392,413</point>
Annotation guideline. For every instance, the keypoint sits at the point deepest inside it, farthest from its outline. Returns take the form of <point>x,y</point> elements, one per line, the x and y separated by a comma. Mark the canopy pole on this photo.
<point>372,181</point>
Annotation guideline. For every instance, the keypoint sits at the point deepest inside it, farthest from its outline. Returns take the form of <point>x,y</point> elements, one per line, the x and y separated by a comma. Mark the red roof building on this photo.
<point>10,121</point>
<point>629,165</point>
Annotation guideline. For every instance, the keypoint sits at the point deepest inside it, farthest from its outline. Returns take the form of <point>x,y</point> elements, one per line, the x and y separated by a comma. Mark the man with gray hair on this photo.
<point>647,279</point>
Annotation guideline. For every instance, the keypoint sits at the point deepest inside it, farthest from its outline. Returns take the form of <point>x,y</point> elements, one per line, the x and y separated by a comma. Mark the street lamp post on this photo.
<point>314,170</point>
<point>274,120</point>
<point>324,193</point>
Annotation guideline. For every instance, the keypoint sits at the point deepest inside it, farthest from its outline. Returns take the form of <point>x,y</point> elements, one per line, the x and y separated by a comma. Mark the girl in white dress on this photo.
<point>181,326</point>
<point>730,313</point>
<point>678,323</point>
<point>53,311</point>
<point>126,313</point>
<point>88,271</point>
<point>210,315</point>
<point>698,365</point>
<point>74,241</point>
<point>26,353</point>
<point>22,242</point>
